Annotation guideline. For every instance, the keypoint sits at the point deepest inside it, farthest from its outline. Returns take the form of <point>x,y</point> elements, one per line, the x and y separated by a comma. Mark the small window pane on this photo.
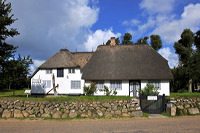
<point>75,84</point>
<point>48,71</point>
<point>71,70</point>
<point>115,85</point>
<point>46,83</point>
<point>156,83</point>
<point>100,84</point>
<point>60,72</point>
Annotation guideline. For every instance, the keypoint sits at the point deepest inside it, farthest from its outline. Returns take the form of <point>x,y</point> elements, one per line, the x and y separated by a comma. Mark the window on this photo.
<point>75,84</point>
<point>48,71</point>
<point>116,85</point>
<point>46,83</point>
<point>100,84</point>
<point>156,83</point>
<point>60,72</point>
<point>71,70</point>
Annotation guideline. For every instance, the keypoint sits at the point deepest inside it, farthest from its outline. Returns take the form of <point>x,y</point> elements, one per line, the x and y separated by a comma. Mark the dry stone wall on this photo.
<point>48,109</point>
<point>183,106</point>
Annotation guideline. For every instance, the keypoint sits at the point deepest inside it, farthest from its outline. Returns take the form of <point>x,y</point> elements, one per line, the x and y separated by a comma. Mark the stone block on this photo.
<point>25,113</point>
<point>57,115</point>
<point>7,113</point>
<point>72,114</point>
<point>171,109</point>
<point>18,114</point>
<point>193,111</point>
<point>106,105</point>
<point>136,113</point>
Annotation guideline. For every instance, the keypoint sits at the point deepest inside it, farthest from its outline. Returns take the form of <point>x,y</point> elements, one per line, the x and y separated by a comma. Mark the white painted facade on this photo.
<point>124,91</point>
<point>41,83</point>
<point>38,82</point>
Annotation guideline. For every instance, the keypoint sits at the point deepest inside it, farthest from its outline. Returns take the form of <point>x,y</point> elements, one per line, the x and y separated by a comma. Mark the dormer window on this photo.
<point>71,70</point>
<point>49,71</point>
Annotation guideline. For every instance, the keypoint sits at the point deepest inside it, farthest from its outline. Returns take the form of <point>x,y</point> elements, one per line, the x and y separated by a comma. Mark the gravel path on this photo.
<point>187,124</point>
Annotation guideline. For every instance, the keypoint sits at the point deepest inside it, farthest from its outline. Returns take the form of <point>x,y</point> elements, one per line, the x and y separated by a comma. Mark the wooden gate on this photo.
<point>152,104</point>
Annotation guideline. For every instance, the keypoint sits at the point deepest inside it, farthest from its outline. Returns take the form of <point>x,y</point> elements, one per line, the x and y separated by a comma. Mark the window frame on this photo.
<point>74,85</point>
<point>71,70</point>
<point>156,83</point>
<point>48,71</point>
<point>99,84</point>
<point>60,72</point>
<point>46,83</point>
<point>117,85</point>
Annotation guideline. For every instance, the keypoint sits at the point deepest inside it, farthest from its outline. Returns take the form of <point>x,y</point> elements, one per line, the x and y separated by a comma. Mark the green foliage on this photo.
<point>189,60</point>
<point>117,41</point>
<point>13,72</point>
<point>184,46</point>
<point>108,92</point>
<point>127,39</point>
<point>149,89</point>
<point>145,114</point>
<point>143,40</point>
<point>91,89</point>
<point>156,42</point>
<point>185,95</point>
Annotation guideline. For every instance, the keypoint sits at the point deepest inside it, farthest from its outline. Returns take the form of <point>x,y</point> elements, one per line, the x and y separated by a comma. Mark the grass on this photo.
<point>184,95</point>
<point>20,95</point>
<point>145,114</point>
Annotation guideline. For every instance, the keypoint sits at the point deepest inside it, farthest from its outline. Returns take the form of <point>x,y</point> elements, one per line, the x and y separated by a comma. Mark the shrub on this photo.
<point>108,92</point>
<point>91,89</point>
<point>149,89</point>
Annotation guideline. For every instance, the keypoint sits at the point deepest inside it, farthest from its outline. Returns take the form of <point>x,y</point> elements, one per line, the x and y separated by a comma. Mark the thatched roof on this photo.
<point>126,62</point>
<point>66,59</point>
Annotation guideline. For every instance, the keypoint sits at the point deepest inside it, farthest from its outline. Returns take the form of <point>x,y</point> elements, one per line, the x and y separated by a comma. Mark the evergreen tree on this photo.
<point>127,39</point>
<point>12,71</point>
<point>143,40</point>
<point>156,42</point>
<point>185,52</point>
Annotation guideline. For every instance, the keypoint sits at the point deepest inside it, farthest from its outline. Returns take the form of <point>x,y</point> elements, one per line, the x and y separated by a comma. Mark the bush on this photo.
<point>108,92</point>
<point>91,89</point>
<point>149,89</point>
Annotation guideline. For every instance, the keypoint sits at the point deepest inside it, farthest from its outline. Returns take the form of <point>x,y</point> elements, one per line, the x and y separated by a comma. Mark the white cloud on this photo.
<point>157,6</point>
<point>133,22</point>
<point>168,55</point>
<point>35,65</point>
<point>46,28</point>
<point>99,37</point>
<point>170,31</point>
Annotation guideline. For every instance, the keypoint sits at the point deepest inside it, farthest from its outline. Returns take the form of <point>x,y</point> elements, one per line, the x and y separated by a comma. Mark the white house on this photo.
<point>126,68</point>
<point>66,67</point>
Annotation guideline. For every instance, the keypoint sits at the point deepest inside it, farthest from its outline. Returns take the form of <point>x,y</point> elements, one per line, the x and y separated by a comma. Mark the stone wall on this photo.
<point>183,106</point>
<point>47,109</point>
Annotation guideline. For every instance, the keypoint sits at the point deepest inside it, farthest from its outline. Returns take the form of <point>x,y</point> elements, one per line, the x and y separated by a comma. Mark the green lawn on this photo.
<point>185,94</point>
<point>19,94</point>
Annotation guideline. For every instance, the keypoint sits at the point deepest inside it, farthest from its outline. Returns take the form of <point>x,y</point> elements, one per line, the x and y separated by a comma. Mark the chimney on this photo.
<point>112,41</point>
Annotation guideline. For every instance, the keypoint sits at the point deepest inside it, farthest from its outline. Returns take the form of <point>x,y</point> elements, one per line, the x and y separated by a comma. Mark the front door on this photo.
<point>134,87</point>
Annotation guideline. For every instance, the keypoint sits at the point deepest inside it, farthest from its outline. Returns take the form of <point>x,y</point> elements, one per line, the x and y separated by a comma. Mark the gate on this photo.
<point>152,104</point>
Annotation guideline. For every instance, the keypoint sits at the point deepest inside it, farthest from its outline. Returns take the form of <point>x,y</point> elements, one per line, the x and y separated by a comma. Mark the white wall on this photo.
<point>165,86</point>
<point>63,82</point>
<point>123,92</point>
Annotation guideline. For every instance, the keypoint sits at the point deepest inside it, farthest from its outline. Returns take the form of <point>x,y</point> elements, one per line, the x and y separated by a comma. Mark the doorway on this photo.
<point>134,87</point>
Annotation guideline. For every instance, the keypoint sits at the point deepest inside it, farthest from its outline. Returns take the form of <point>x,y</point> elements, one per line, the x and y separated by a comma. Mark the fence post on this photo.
<point>163,99</point>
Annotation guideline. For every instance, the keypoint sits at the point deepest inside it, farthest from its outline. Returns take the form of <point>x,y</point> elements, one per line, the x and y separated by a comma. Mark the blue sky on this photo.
<point>46,26</point>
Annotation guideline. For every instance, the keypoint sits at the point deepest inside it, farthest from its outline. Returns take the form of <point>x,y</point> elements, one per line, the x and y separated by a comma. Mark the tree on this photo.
<point>156,42</point>
<point>143,40</point>
<point>12,71</point>
<point>127,39</point>
<point>185,52</point>
<point>117,41</point>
